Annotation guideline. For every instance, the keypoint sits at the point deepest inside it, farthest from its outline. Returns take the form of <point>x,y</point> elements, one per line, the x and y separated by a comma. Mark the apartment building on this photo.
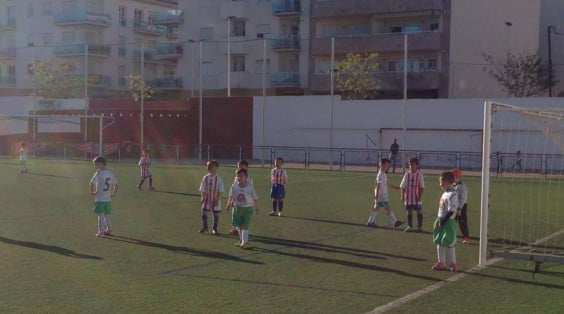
<point>248,25</point>
<point>101,38</point>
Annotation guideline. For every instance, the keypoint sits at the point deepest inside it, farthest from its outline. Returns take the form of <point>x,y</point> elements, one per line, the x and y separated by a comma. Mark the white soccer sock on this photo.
<point>108,222</point>
<point>451,254</point>
<point>245,235</point>
<point>100,223</point>
<point>372,216</point>
<point>441,253</point>
<point>393,218</point>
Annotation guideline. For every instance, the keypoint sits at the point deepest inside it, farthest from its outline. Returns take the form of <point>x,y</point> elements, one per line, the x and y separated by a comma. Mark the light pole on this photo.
<point>550,29</point>
<point>229,55</point>
<point>201,107</point>
<point>508,24</point>
<point>191,67</point>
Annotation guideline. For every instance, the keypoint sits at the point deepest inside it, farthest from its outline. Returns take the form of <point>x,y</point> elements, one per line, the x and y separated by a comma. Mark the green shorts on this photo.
<point>242,216</point>
<point>382,204</point>
<point>445,235</point>
<point>102,208</point>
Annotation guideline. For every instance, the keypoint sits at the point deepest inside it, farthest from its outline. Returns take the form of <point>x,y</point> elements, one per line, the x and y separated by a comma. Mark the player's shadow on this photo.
<point>331,248</point>
<point>513,243</point>
<point>49,248</point>
<point>181,249</point>
<point>47,175</point>
<point>178,193</point>
<point>540,271</point>
<point>520,281</point>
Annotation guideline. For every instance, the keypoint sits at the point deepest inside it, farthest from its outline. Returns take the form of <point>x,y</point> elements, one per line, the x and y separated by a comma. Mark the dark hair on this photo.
<point>146,150</point>
<point>384,161</point>
<point>243,162</point>
<point>280,159</point>
<point>242,171</point>
<point>99,159</point>
<point>212,163</point>
<point>414,160</point>
<point>448,176</point>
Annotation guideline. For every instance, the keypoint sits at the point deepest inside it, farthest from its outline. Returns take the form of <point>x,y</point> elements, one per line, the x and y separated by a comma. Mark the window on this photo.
<point>47,39</point>
<point>206,33</point>
<point>47,8</point>
<point>122,51</point>
<point>238,64</point>
<point>413,65</point>
<point>238,28</point>
<point>30,9</point>
<point>150,17</point>
<point>432,64</point>
<point>121,76</point>
<point>11,13</point>
<point>263,30</point>
<point>137,16</point>
<point>434,27</point>
<point>122,12</point>
<point>11,70</point>
<point>396,29</point>
<point>408,29</point>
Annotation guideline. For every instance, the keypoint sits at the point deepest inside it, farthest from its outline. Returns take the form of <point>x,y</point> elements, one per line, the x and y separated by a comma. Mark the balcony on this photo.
<point>7,24</point>
<point>286,8</point>
<point>148,29</point>
<point>172,17</point>
<point>334,8</point>
<point>8,53</point>
<point>7,81</point>
<point>377,43</point>
<point>427,80</point>
<point>172,32</point>
<point>169,51</point>
<point>285,79</point>
<point>285,44</point>
<point>167,83</point>
<point>82,18</point>
<point>165,3</point>
<point>73,50</point>
<point>149,56</point>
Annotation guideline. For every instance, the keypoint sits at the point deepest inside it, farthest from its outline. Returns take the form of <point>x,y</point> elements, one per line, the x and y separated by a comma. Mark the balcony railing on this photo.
<point>388,81</point>
<point>80,49</point>
<point>172,17</point>
<point>286,7</point>
<point>7,81</point>
<point>7,53</point>
<point>321,9</point>
<point>285,79</point>
<point>82,17</point>
<point>167,82</point>
<point>149,56</point>
<point>149,29</point>
<point>167,3</point>
<point>169,50</point>
<point>290,43</point>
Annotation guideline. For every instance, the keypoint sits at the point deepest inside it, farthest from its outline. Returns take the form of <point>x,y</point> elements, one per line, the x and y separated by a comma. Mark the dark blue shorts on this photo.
<point>277,191</point>
<point>417,207</point>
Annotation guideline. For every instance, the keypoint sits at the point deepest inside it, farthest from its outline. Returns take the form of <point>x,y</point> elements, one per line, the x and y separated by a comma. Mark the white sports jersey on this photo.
<point>278,176</point>
<point>462,192</point>
<point>448,203</point>
<point>243,196</point>
<point>103,180</point>
<point>412,182</point>
<point>211,185</point>
<point>23,154</point>
<point>382,179</point>
<point>144,164</point>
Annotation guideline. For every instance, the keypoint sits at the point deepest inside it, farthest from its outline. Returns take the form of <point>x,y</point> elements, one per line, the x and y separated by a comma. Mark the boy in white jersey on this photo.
<point>242,164</point>
<point>444,229</point>
<point>381,196</point>
<point>23,158</point>
<point>462,192</point>
<point>144,164</point>
<point>243,198</point>
<point>412,186</point>
<point>103,186</point>
<point>278,178</point>
<point>211,189</point>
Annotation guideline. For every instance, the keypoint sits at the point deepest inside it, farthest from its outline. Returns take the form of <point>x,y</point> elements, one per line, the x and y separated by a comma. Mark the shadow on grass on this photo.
<point>49,248</point>
<point>520,281</point>
<point>500,242</point>
<point>532,271</point>
<point>177,193</point>
<point>182,249</point>
<point>46,175</point>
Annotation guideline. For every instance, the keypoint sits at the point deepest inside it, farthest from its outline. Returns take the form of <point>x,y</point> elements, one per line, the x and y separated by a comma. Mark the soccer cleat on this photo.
<point>280,214</point>
<point>408,229</point>
<point>233,232</point>
<point>398,223</point>
<point>272,214</point>
<point>453,267</point>
<point>139,188</point>
<point>204,229</point>
<point>246,246</point>
<point>419,229</point>
<point>215,232</point>
<point>238,244</point>
<point>100,234</point>
<point>372,225</point>
<point>466,240</point>
<point>108,232</point>
<point>439,266</point>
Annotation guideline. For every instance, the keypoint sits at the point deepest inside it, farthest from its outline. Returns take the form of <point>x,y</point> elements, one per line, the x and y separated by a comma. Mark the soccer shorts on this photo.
<point>215,210</point>
<point>445,235</point>
<point>277,191</point>
<point>417,207</point>
<point>242,216</point>
<point>146,173</point>
<point>382,204</point>
<point>102,208</point>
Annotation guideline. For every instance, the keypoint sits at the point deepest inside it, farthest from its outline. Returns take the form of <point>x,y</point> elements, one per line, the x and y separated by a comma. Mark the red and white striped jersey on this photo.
<point>144,162</point>
<point>211,186</point>
<point>412,182</point>
<point>278,176</point>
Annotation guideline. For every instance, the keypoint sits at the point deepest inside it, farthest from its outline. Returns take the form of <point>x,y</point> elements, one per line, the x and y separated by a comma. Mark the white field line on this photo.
<point>421,292</point>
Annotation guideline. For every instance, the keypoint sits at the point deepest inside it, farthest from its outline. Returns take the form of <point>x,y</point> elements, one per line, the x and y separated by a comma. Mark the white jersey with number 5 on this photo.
<point>103,180</point>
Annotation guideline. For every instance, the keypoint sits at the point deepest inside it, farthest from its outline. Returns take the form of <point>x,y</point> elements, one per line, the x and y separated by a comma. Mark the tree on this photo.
<point>138,85</point>
<point>520,76</point>
<point>355,75</point>
<point>53,80</point>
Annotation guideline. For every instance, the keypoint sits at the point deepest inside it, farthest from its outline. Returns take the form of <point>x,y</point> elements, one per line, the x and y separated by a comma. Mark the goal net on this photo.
<point>64,136</point>
<point>522,214</point>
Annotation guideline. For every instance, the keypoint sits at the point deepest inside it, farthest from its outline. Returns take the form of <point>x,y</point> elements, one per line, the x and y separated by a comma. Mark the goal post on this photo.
<point>521,206</point>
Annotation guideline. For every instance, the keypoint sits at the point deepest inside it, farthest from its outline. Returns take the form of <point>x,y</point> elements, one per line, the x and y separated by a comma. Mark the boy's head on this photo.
<point>457,174</point>
<point>242,175</point>
<point>99,162</point>
<point>446,180</point>
<point>212,166</point>
<point>384,164</point>
<point>22,144</point>
<point>414,164</point>
<point>279,162</point>
<point>146,152</point>
<point>244,164</point>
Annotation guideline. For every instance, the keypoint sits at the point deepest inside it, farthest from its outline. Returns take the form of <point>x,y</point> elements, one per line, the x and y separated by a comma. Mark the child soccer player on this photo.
<point>211,188</point>
<point>144,164</point>
<point>412,186</point>
<point>278,178</point>
<point>444,229</point>
<point>23,158</point>
<point>103,186</point>
<point>242,164</point>
<point>381,197</point>
<point>243,200</point>
<point>462,192</point>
